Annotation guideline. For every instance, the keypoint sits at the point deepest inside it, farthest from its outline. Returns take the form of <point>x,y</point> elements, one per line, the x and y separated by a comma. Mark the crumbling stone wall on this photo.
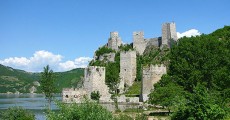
<point>108,57</point>
<point>70,95</point>
<point>151,75</point>
<point>127,69</point>
<point>94,80</point>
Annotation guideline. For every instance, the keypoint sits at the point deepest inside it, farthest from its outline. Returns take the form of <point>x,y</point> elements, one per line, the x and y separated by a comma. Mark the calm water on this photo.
<point>37,103</point>
<point>33,102</point>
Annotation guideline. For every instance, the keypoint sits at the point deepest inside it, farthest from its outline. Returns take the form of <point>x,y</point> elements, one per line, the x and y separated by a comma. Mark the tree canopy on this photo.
<point>200,69</point>
<point>47,83</point>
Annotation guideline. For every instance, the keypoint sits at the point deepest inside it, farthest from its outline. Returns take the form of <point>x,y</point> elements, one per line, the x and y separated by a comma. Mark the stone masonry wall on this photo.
<point>127,68</point>
<point>114,41</point>
<point>168,32</point>
<point>71,95</point>
<point>151,75</point>
<point>139,42</point>
<point>108,57</point>
<point>95,81</point>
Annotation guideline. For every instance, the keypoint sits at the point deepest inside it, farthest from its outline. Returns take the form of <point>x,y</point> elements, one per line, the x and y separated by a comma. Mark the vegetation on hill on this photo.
<point>69,79</point>
<point>126,47</point>
<point>13,80</point>
<point>198,79</point>
<point>103,50</point>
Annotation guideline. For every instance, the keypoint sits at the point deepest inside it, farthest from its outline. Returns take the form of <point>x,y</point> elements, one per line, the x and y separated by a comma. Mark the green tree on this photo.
<point>17,113</point>
<point>95,95</point>
<point>169,95</point>
<point>200,65</point>
<point>47,84</point>
<point>202,59</point>
<point>199,106</point>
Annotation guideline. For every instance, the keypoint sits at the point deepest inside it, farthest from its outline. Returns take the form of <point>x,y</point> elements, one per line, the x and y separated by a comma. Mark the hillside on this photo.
<point>14,80</point>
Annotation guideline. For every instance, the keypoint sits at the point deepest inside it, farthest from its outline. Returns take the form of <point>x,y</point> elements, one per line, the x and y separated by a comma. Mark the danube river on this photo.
<point>33,102</point>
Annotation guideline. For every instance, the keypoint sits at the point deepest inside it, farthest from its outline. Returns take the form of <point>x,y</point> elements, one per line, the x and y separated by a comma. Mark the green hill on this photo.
<point>14,80</point>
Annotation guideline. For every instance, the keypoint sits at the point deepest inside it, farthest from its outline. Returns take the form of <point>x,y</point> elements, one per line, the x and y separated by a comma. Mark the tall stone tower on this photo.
<point>114,41</point>
<point>127,69</point>
<point>138,42</point>
<point>94,80</point>
<point>151,75</point>
<point>168,33</point>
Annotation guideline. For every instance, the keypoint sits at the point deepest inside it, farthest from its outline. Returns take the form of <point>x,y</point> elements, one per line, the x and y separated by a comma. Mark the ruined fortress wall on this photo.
<point>114,41</point>
<point>108,57</point>
<point>139,42</point>
<point>95,81</point>
<point>168,32</point>
<point>71,95</point>
<point>151,75</point>
<point>152,42</point>
<point>127,68</point>
<point>173,31</point>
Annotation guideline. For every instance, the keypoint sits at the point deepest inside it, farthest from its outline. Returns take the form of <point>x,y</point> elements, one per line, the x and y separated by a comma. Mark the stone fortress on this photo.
<point>94,78</point>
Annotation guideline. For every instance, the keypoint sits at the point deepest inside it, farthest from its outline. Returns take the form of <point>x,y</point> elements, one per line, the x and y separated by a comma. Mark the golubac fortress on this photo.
<point>94,76</point>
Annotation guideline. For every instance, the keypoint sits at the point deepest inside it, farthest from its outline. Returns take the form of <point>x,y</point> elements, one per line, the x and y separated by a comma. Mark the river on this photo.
<point>37,103</point>
<point>33,102</point>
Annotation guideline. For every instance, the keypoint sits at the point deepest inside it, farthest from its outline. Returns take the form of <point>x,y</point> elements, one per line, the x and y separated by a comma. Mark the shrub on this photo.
<point>17,113</point>
<point>95,95</point>
<point>84,111</point>
<point>104,50</point>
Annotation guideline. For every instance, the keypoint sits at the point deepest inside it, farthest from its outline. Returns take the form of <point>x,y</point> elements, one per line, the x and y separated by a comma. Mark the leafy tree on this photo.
<point>95,95</point>
<point>47,84</point>
<point>199,107</point>
<point>168,95</point>
<point>84,111</point>
<point>17,113</point>
<point>112,76</point>
<point>139,68</point>
<point>200,65</point>
<point>201,59</point>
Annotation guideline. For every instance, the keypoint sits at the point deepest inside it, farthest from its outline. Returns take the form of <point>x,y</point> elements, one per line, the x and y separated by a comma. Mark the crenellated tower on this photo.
<point>139,42</point>
<point>168,33</point>
<point>127,69</point>
<point>114,41</point>
<point>94,80</point>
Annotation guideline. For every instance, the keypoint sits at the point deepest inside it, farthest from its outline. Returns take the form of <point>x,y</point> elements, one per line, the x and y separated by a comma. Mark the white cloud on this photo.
<point>82,61</point>
<point>43,58</point>
<point>189,33</point>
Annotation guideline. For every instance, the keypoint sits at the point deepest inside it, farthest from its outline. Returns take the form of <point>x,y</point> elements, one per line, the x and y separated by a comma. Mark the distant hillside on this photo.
<point>14,80</point>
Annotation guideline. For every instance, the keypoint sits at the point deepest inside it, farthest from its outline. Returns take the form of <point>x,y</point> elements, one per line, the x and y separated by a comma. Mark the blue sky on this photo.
<point>34,33</point>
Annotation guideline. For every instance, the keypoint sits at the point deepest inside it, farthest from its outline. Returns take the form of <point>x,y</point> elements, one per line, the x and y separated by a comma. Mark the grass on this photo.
<point>135,89</point>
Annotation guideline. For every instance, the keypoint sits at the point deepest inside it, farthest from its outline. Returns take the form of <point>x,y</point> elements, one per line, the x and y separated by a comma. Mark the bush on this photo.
<point>104,50</point>
<point>17,113</point>
<point>84,111</point>
<point>95,95</point>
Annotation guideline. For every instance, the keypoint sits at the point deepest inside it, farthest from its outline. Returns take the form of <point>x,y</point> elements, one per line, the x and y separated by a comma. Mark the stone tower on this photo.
<point>151,75</point>
<point>114,41</point>
<point>95,81</point>
<point>127,69</point>
<point>168,33</point>
<point>139,42</point>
